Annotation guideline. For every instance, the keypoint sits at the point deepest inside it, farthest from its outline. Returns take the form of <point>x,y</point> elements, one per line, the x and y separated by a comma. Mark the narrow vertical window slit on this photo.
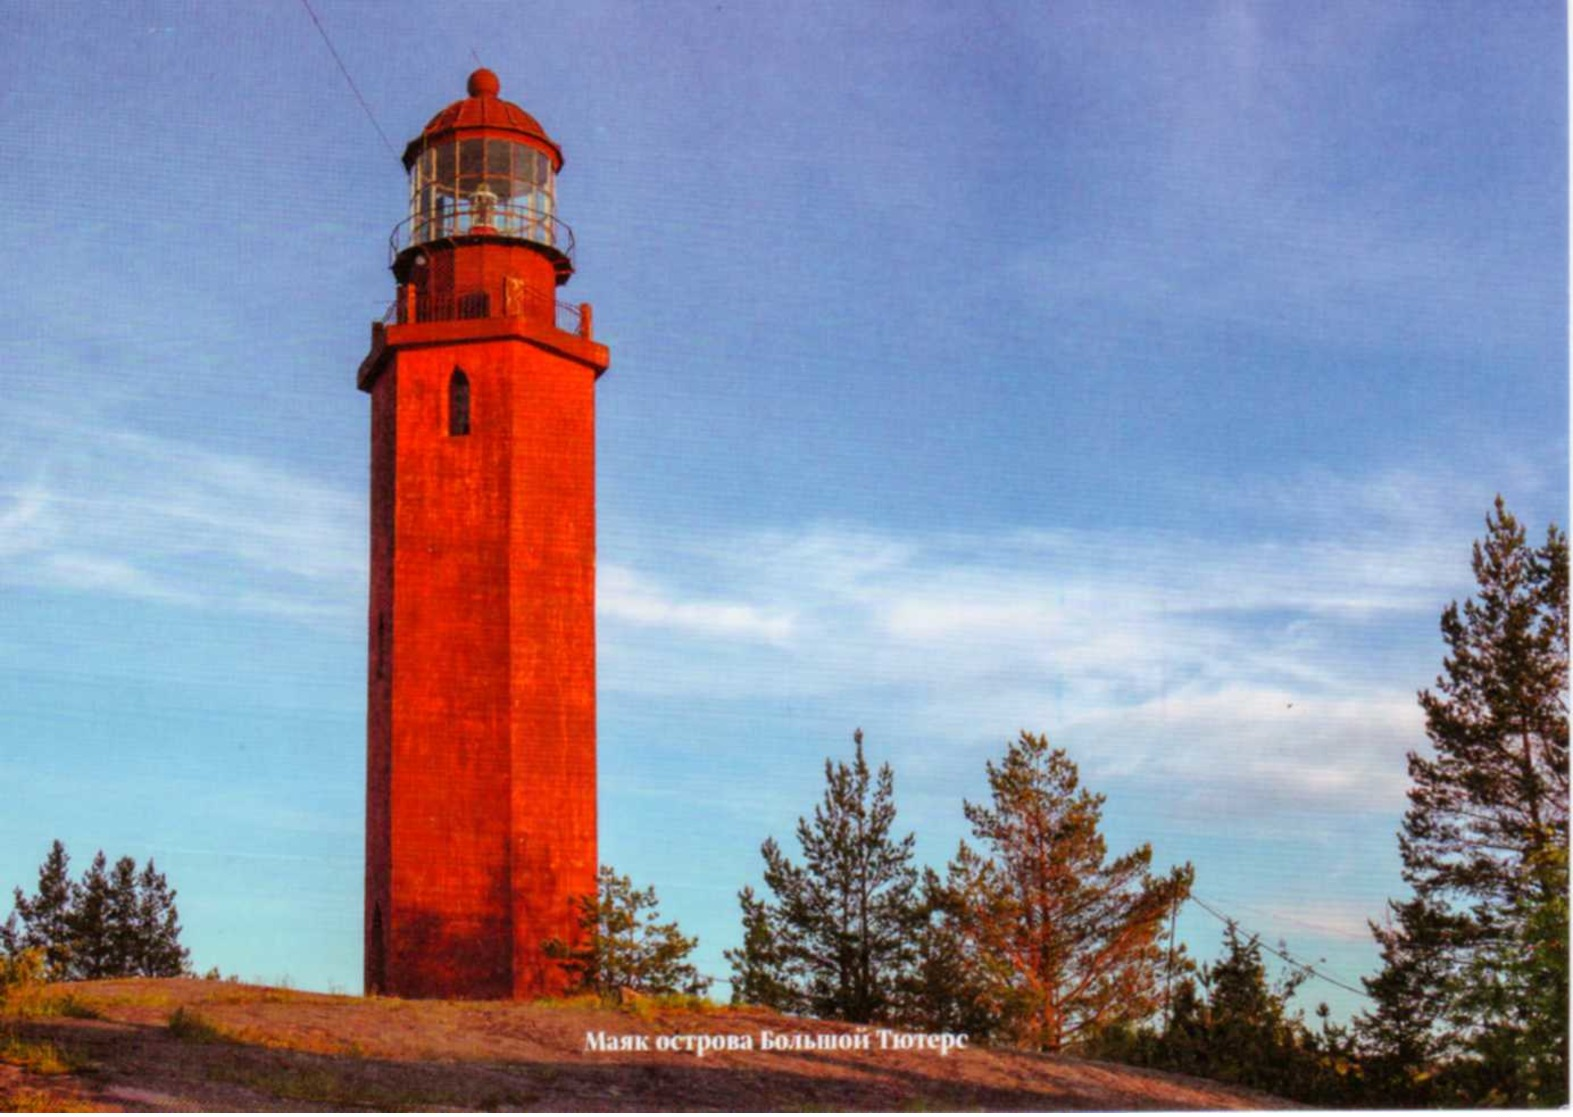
<point>459,403</point>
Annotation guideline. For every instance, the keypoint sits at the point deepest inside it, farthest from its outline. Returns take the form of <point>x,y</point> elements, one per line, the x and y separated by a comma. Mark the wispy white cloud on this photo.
<point>103,574</point>
<point>1340,744</point>
<point>1208,666</point>
<point>1276,671</point>
<point>623,596</point>
<point>24,521</point>
<point>122,513</point>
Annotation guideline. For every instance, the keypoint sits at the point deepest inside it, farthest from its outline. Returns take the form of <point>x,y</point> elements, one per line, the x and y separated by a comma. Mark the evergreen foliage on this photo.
<point>1471,1004</point>
<point>89,924</point>
<point>1400,1041</point>
<point>122,927</point>
<point>759,966</point>
<point>838,940</point>
<point>112,923</point>
<point>157,926</point>
<point>1252,1038</point>
<point>624,946</point>
<point>952,987</point>
<point>1234,1025</point>
<point>43,921</point>
<point>1063,943</point>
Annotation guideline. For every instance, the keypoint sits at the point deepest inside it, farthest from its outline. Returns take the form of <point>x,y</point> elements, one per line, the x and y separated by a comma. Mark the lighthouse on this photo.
<point>480,728</point>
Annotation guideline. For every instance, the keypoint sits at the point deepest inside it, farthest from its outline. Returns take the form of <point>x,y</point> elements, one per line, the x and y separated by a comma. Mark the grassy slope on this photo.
<point>187,1044</point>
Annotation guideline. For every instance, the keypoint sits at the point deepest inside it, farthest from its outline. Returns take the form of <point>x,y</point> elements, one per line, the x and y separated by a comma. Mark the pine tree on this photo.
<point>42,921</point>
<point>1537,974</point>
<point>1484,844</point>
<point>122,930</point>
<point>158,951</point>
<point>1068,941</point>
<point>758,966</point>
<point>951,983</point>
<point>1183,1045</point>
<point>1399,1039</point>
<point>624,947</point>
<point>1251,1037</point>
<point>92,952</point>
<point>844,921</point>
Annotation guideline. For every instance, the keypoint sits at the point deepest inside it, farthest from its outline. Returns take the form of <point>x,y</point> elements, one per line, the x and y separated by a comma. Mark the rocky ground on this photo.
<point>192,1045</point>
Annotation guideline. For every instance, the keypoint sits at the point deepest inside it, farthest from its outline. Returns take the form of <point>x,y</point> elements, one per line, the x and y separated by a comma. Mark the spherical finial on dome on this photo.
<point>484,83</point>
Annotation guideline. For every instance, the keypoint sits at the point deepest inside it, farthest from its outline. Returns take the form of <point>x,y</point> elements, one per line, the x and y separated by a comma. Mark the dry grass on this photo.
<point>193,1027</point>
<point>35,1001</point>
<point>28,1099</point>
<point>552,1004</point>
<point>177,1043</point>
<point>39,1056</point>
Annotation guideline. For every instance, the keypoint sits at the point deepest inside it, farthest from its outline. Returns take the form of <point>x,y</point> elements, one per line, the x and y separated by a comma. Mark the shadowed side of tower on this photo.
<point>481,828</point>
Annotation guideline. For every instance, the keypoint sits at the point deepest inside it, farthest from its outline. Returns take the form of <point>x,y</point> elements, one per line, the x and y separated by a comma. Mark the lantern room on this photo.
<point>483,171</point>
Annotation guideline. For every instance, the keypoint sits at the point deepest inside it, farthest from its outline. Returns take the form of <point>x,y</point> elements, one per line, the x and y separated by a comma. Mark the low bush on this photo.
<point>194,1028</point>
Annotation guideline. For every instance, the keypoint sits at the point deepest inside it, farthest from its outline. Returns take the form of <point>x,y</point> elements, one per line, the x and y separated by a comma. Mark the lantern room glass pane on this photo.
<point>498,153</point>
<point>502,186</point>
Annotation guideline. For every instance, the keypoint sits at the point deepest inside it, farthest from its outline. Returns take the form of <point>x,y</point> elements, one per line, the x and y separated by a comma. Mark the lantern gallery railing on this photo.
<point>483,218</point>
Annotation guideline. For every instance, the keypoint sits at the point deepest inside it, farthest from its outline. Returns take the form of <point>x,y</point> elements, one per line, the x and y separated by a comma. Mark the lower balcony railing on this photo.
<point>568,317</point>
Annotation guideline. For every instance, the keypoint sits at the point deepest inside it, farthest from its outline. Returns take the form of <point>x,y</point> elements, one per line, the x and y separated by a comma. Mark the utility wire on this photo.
<point>1295,962</point>
<point>323,31</point>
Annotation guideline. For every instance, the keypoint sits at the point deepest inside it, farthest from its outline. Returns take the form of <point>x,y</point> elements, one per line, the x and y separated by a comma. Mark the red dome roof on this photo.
<point>483,110</point>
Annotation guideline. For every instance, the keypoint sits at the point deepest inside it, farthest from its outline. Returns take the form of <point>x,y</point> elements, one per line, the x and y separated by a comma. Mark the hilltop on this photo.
<point>185,1044</point>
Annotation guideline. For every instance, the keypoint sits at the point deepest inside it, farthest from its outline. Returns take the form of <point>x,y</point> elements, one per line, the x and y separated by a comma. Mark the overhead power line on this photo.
<point>1303,967</point>
<point>355,89</point>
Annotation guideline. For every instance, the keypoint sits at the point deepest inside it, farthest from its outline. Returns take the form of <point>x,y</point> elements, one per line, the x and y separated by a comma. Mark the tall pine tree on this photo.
<point>1068,940</point>
<point>839,938</point>
<point>122,932</point>
<point>1476,963</point>
<point>43,921</point>
<point>92,955</point>
<point>158,952</point>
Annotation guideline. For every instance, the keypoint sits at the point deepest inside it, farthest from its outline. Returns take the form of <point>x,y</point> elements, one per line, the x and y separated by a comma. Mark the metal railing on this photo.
<point>500,220</point>
<point>574,318</point>
<point>571,318</point>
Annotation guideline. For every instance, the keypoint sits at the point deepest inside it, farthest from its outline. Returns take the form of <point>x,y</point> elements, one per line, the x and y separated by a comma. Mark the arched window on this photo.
<point>459,403</point>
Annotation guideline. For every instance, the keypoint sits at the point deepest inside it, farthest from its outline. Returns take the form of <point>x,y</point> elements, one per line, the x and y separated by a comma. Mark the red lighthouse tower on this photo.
<point>480,787</point>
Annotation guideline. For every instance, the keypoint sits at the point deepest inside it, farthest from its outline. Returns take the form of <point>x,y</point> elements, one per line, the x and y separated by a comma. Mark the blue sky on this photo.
<point>1138,374</point>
